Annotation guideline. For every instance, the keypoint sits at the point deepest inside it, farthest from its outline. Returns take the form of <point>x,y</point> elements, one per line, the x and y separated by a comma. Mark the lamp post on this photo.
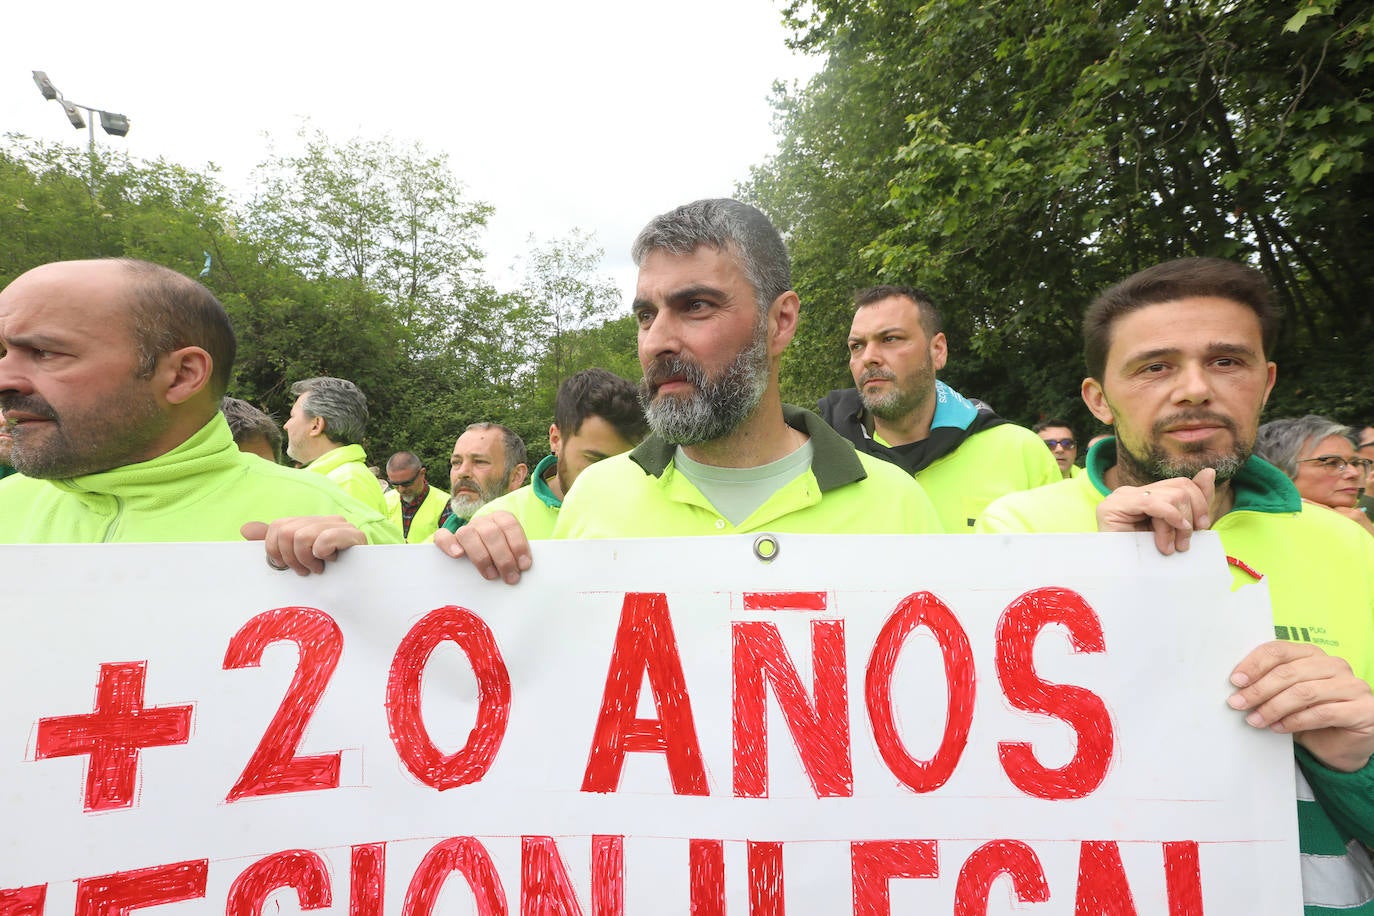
<point>114,124</point>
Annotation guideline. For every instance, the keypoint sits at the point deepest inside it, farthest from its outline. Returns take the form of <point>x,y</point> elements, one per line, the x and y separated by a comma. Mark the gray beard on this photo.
<point>718,406</point>
<point>465,506</point>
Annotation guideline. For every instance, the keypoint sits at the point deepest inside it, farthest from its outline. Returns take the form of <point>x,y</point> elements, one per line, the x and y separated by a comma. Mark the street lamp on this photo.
<point>116,125</point>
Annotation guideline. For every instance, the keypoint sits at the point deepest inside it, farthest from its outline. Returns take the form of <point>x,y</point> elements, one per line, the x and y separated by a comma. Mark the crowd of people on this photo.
<point>113,377</point>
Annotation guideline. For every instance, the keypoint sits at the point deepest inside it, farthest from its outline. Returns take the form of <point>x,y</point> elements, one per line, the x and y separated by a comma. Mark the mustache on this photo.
<point>664,368</point>
<point>29,405</point>
<point>869,375</point>
<point>1194,416</point>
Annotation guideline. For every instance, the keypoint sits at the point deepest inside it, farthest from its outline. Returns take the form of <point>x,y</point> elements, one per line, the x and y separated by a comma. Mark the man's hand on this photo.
<point>305,542</point>
<point>1296,688</point>
<point>1173,509</point>
<point>495,543</point>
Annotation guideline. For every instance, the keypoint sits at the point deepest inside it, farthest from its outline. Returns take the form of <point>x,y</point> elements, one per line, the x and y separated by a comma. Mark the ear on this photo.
<point>555,439</point>
<point>1096,399</point>
<point>939,351</point>
<point>782,322</point>
<point>185,372</point>
<point>1269,384</point>
<point>519,476</point>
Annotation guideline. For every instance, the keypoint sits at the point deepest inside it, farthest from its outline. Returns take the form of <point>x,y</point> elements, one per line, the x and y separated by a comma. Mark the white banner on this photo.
<point>858,725</point>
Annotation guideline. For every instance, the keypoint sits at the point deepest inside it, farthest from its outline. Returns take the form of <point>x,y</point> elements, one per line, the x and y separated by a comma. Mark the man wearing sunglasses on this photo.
<point>414,506</point>
<point>1058,438</point>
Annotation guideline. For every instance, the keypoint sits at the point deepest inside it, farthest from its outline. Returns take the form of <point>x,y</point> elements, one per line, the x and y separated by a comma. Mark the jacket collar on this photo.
<point>1258,486</point>
<point>834,462</point>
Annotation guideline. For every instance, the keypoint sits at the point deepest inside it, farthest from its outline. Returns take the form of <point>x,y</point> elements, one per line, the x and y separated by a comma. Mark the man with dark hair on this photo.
<point>963,454</point>
<point>489,460</point>
<point>415,507</point>
<point>325,433</point>
<point>254,431</point>
<point>596,415</point>
<point>1179,367</point>
<point>1058,437</point>
<point>119,440</point>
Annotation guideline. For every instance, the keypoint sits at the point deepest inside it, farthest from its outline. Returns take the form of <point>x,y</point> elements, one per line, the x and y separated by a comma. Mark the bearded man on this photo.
<point>489,460</point>
<point>111,376</point>
<point>716,310</point>
<point>960,450</point>
<point>1178,365</point>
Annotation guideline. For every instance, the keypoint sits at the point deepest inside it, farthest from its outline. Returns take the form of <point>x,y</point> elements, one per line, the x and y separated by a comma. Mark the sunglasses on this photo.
<point>405,483</point>
<point>1065,444</point>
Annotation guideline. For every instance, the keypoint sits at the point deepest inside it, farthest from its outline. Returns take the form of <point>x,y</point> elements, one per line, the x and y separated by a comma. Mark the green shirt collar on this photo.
<point>1258,487</point>
<point>834,463</point>
<point>546,468</point>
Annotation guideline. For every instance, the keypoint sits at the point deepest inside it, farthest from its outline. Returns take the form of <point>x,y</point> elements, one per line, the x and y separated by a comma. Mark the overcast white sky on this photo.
<point>595,115</point>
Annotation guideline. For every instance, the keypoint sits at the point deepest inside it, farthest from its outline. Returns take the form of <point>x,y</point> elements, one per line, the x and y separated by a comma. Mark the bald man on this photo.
<point>111,375</point>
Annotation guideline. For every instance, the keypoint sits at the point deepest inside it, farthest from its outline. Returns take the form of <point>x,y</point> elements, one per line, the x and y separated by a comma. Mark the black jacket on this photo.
<point>845,412</point>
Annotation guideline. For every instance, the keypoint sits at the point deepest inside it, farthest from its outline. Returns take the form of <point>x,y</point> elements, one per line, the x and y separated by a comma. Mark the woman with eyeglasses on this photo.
<point>1319,454</point>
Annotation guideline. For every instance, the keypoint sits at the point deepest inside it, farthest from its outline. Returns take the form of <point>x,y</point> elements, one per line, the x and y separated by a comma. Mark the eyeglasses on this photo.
<point>405,483</point>
<point>1335,464</point>
<point>1065,444</point>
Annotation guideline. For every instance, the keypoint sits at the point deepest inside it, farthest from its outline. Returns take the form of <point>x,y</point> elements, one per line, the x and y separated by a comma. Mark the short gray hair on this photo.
<point>725,225</point>
<point>339,402</point>
<point>511,443</point>
<point>245,421</point>
<point>1280,442</point>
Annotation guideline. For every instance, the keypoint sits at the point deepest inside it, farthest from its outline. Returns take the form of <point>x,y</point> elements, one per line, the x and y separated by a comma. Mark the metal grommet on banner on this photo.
<point>766,547</point>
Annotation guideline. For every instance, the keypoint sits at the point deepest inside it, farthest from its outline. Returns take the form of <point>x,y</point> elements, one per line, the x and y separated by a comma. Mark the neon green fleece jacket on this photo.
<point>347,467</point>
<point>641,494</point>
<point>534,504</point>
<point>987,465</point>
<point>1320,569</point>
<point>202,490</point>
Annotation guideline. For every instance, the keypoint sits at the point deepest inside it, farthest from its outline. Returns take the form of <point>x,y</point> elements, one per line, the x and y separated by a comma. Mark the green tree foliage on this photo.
<point>565,315</point>
<point>1017,158</point>
<point>359,260</point>
<point>57,204</point>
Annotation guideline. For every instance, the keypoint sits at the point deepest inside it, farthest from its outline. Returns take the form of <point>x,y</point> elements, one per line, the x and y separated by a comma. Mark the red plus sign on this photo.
<point>113,734</point>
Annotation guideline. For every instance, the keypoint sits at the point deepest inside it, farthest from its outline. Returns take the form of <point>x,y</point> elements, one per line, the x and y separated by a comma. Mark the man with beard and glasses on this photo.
<point>488,462</point>
<point>111,374</point>
<point>964,455</point>
<point>596,415</point>
<point>1177,363</point>
<point>716,310</point>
